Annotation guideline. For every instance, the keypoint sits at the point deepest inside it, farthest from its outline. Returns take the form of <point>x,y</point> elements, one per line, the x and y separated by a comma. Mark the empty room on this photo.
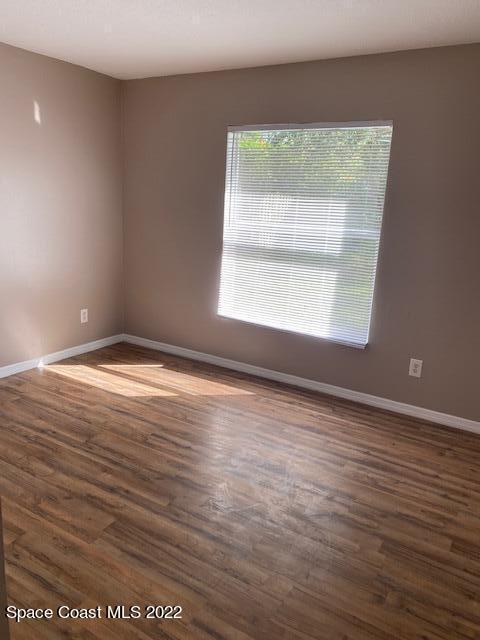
<point>240,320</point>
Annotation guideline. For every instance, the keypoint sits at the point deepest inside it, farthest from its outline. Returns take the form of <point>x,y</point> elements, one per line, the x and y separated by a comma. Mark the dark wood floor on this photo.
<point>131,477</point>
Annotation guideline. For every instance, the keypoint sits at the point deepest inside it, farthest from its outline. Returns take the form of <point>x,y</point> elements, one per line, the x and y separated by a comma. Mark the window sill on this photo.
<point>343,343</point>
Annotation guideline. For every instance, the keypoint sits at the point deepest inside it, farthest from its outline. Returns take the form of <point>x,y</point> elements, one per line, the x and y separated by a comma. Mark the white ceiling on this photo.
<point>140,38</point>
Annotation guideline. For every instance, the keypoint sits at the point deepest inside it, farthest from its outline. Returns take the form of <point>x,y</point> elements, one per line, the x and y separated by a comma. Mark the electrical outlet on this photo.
<point>415,368</point>
<point>83,316</point>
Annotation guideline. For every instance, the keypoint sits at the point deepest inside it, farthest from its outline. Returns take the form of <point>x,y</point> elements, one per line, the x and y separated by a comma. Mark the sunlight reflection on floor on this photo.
<point>185,383</point>
<point>106,381</point>
<point>143,380</point>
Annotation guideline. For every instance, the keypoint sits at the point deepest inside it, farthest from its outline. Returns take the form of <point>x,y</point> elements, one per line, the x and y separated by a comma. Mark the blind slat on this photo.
<point>303,211</point>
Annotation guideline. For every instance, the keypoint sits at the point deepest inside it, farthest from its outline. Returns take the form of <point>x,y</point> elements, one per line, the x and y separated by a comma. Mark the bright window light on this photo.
<point>303,213</point>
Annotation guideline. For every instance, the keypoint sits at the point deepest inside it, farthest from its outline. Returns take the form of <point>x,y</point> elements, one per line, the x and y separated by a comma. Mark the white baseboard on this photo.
<point>312,385</point>
<point>18,367</point>
<point>304,383</point>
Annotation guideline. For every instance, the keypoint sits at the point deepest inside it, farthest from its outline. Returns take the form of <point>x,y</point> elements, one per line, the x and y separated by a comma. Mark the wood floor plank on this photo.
<point>134,477</point>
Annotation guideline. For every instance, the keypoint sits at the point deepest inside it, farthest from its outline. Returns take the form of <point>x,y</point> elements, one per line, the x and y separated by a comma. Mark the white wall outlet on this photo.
<point>83,316</point>
<point>415,368</point>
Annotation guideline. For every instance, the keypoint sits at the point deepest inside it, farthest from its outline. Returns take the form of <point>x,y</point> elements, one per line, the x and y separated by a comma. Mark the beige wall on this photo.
<point>61,227</point>
<point>60,205</point>
<point>427,301</point>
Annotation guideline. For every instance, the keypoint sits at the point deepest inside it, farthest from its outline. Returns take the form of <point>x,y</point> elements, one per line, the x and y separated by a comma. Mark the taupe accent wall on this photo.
<point>61,222</point>
<point>427,298</point>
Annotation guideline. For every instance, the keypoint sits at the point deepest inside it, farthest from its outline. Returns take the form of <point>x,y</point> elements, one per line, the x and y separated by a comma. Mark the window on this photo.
<point>303,212</point>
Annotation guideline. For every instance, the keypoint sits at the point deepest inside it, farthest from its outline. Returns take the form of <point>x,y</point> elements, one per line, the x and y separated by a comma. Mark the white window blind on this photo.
<point>303,212</point>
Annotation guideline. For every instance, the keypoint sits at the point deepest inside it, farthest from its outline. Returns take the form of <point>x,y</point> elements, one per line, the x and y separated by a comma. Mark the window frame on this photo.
<point>351,124</point>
